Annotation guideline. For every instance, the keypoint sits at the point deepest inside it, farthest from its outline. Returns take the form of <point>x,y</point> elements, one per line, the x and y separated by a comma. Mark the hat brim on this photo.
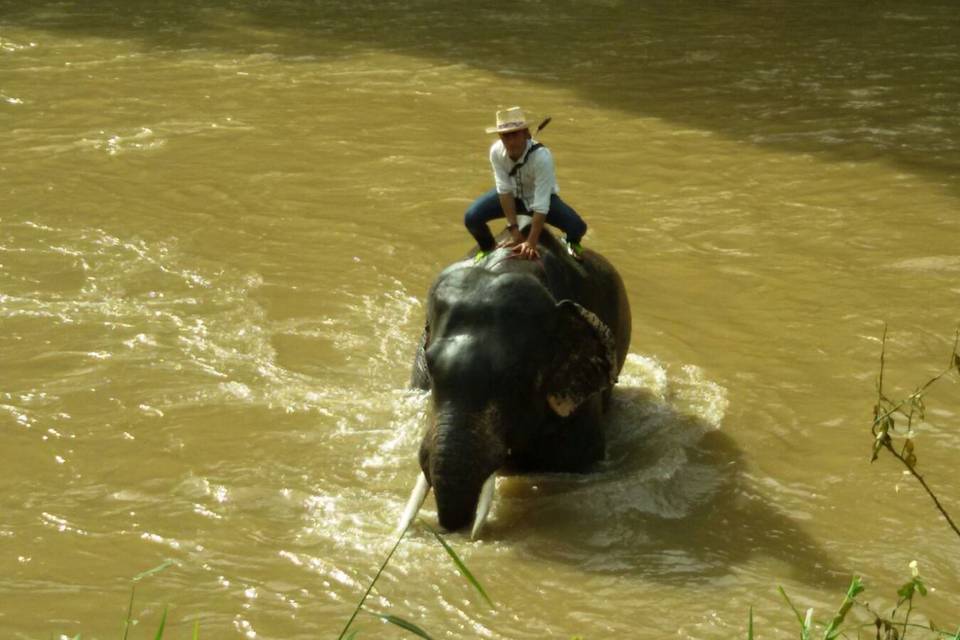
<point>509,128</point>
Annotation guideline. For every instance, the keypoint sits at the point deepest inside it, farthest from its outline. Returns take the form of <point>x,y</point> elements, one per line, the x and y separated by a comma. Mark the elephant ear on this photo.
<point>420,376</point>
<point>585,360</point>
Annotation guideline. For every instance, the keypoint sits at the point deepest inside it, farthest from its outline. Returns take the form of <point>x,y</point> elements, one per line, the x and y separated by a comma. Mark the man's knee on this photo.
<point>480,211</point>
<point>473,216</point>
<point>581,227</point>
<point>571,222</point>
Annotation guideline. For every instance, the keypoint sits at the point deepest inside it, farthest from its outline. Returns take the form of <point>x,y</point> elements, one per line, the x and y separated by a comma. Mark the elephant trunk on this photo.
<point>456,483</point>
<point>462,461</point>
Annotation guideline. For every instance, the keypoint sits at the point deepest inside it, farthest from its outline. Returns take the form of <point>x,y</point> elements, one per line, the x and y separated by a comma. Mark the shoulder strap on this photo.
<point>526,156</point>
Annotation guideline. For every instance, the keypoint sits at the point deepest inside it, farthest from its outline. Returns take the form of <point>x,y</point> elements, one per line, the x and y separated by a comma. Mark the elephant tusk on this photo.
<point>483,505</point>
<point>419,494</point>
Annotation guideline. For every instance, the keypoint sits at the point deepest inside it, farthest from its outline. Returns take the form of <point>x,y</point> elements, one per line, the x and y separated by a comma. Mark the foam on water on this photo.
<point>603,522</point>
<point>657,418</point>
<point>149,302</point>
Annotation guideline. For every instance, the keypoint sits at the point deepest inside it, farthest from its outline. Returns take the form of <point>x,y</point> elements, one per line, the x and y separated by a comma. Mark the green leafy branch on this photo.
<point>887,412</point>
<point>887,627</point>
<point>893,421</point>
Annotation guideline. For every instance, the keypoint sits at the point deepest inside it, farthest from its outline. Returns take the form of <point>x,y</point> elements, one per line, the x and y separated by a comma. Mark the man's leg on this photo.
<point>484,209</point>
<point>563,217</point>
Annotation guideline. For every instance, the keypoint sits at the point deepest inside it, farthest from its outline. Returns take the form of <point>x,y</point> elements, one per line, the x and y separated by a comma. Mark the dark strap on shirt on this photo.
<point>522,162</point>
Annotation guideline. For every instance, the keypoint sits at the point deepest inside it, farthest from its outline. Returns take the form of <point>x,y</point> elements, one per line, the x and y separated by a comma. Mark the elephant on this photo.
<point>520,357</point>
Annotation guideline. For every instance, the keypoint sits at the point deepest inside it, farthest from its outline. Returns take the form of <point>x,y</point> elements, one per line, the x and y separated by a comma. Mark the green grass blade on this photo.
<point>135,579</point>
<point>463,569</point>
<point>353,634</point>
<point>373,582</point>
<point>150,572</point>
<point>163,623</point>
<point>196,630</point>
<point>404,624</point>
<point>126,622</point>
<point>795,611</point>
<point>750,625</point>
<point>855,589</point>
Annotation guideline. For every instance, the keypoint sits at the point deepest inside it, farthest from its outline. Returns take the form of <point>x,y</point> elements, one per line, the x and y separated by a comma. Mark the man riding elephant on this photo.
<point>525,181</point>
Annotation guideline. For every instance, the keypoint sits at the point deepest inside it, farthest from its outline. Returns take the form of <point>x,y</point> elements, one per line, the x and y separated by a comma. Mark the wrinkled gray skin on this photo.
<point>520,357</point>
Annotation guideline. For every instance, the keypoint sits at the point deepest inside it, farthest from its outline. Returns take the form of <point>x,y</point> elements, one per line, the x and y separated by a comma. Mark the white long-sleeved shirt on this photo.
<point>533,183</point>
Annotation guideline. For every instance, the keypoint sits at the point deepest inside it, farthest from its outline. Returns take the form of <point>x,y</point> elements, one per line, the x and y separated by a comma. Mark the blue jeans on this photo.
<point>487,207</point>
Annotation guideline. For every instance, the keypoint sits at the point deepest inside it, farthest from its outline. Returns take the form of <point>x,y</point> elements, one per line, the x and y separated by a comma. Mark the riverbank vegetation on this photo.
<point>896,423</point>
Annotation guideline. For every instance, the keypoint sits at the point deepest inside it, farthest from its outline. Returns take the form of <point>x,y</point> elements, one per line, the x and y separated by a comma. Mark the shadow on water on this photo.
<point>846,80</point>
<point>672,506</point>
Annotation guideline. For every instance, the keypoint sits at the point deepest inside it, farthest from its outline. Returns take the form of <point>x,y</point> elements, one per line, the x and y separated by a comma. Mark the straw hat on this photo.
<point>508,120</point>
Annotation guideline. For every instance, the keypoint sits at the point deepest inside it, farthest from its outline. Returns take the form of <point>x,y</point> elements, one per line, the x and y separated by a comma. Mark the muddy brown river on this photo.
<point>218,224</point>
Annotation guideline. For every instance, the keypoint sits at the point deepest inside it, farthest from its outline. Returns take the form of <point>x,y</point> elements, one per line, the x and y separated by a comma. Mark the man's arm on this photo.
<point>504,184</point>
<point>528,248</point>
<point>510,212</point>
<point>544,181</point>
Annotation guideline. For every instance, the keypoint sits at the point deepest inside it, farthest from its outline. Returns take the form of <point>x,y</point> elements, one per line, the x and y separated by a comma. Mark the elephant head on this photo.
<point>504,358</point>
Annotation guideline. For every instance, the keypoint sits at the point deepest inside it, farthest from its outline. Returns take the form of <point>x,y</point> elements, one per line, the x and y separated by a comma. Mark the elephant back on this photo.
<point>593,283</point>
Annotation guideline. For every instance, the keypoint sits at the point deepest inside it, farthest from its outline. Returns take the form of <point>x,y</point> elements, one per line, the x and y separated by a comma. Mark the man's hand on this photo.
<point>528,248</point>
<point>515,238</point>
<point>527,251</point>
